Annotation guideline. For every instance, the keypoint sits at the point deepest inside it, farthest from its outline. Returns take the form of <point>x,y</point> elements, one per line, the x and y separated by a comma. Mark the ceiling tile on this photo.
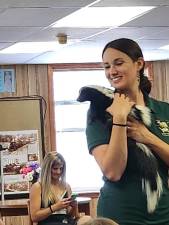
<point>32,16</point>
<point>156,17</point>
<point>14,34</point>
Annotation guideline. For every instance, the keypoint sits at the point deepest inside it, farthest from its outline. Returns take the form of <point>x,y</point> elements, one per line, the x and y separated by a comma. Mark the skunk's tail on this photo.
<point>152,196</point>
<point>151,180</point>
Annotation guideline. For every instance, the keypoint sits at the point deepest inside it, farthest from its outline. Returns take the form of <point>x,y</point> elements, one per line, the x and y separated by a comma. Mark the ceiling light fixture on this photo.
<point>83,17</point>
<point>62,38</point>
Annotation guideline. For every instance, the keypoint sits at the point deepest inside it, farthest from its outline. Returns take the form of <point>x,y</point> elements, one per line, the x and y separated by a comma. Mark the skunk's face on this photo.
<point>100,97</point>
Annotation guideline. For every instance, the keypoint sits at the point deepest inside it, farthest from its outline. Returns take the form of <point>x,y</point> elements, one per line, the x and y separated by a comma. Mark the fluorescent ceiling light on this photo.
<point>33,47</point>
<point>97,17</point>
<point>165,47</point>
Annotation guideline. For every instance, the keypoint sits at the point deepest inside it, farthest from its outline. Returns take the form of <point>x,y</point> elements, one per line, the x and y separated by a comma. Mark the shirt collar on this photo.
<point>149,103</point>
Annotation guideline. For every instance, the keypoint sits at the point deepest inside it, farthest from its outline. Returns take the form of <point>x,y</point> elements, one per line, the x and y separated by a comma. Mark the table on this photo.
<point>19,207</point>
<point>16,207</point>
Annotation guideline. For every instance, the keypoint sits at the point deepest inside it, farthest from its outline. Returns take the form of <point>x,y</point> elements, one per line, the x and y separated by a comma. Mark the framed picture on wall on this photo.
<point>7,80</point>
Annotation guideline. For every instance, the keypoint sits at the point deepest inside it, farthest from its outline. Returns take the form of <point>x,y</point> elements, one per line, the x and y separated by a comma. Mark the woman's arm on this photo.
<point>38,213</point>
<point>141,134</point>
<point>112,157</point>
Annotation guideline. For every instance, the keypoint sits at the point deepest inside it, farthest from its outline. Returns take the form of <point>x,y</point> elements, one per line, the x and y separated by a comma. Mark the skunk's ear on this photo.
<point>85,94</point>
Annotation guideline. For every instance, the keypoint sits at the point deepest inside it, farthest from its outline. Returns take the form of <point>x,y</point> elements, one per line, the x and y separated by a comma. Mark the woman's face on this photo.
<point>120,70</point>
<point>56,171</point>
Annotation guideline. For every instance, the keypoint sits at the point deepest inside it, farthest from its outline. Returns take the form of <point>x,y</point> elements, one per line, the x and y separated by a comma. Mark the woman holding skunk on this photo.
<point>122,198</point>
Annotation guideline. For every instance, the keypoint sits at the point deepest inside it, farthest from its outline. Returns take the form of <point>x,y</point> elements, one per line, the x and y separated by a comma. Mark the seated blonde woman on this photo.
<point>50,198</point>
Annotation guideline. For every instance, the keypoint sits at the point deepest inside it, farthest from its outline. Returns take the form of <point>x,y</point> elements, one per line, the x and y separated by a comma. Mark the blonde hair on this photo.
<point>51,159</point>
<point>99,221</point>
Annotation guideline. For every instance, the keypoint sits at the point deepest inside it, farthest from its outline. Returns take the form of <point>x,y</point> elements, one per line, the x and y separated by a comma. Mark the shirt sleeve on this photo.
<point>97,133</point>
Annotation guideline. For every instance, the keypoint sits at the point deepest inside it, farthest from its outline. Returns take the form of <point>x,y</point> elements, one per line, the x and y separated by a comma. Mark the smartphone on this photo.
<point>74,196</point>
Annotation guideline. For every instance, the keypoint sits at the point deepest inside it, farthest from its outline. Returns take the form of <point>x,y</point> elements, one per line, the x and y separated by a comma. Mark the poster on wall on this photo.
<point>7,80</point>
<point>19,151</point>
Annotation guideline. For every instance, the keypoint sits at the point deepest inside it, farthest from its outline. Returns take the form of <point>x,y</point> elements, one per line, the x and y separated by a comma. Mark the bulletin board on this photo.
<point>21,139</point>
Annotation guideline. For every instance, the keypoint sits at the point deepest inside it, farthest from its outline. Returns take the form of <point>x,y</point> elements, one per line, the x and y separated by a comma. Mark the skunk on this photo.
<point>144,163</point>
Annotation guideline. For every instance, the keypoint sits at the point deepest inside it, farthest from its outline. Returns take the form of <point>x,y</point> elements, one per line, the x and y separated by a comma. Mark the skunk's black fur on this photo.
<point>144,162</point>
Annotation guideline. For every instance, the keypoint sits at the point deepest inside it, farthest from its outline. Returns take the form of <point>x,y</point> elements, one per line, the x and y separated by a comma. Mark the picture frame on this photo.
<point>7,80</point>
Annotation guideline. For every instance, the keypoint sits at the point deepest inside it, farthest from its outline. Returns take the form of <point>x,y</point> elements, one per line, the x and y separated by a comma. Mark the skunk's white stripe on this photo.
<point>152,196</point>
<point>145,149</point>
<point>145,114</point>
<point>106,91</point>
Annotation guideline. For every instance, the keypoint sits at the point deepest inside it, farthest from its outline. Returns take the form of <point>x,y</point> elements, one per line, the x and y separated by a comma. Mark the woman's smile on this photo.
<point>116,79</point>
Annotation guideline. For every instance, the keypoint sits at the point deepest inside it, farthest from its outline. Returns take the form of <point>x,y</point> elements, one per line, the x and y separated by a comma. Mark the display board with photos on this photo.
<point>21,149</point>
<point>21,142</point>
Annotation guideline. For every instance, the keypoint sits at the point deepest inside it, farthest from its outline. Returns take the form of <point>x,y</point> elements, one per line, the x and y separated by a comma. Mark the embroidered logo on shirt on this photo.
<point>164,127</point>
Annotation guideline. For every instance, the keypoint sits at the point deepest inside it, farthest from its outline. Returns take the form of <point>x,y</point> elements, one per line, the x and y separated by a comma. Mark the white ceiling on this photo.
<point>31,20</point>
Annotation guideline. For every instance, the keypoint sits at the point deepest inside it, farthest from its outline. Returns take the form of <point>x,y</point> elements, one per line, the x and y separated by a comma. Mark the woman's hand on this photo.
<point>62,204</point>
<point>73,203</point>
<point>121,106</point>
<point>140,133</point>
<point>137,131</point>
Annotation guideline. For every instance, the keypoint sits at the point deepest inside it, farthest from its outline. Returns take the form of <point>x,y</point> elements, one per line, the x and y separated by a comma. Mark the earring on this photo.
<point>138,77</point>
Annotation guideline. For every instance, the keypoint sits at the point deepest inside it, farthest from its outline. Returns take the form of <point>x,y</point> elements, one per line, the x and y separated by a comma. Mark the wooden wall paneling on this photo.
<point>51,107</point>
<point>166,97</point>
<point>93,207</point>
<point>41,80</point>
<point>32,80</point>
<point>159,80</point>
<point>17,220</point>
<point>44,91</point>
<point>21,73</point>
<point>160,87</point>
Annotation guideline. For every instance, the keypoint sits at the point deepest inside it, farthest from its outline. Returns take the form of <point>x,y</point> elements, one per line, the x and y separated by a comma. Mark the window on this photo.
<point>82,171</point>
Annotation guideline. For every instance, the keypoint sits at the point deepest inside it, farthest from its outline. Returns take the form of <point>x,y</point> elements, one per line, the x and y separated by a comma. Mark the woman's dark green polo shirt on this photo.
<point>124,201</point>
